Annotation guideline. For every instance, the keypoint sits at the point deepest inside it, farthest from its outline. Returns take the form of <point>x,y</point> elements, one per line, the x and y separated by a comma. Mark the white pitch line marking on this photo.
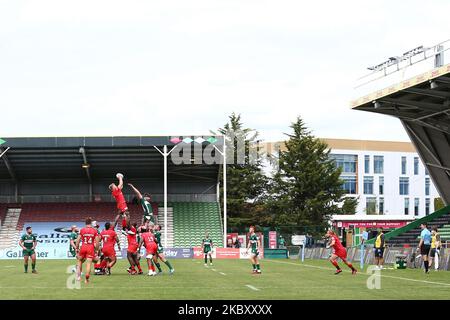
<point>252,287</point>
<point>366,274</point>
<point>214,270</point>
<point>222,273</point>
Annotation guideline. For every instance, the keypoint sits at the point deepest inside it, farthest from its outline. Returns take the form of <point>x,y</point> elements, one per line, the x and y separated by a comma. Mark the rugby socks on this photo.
<point>168,264</point>
<point>87,277</point>
<point>206,259</point>
<point>426,265</point>
<point>350,265</point>
<point>33,266</point>
<point>254,266</point>
<point>257,267</point>
<point>210,259</point>
<point>139,267</point>
<point>334,263</point>
<point>158,265</point>
<point>26,267</point>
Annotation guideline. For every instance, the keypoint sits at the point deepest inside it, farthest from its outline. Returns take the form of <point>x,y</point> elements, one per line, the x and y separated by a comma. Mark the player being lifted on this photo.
<point>28,243</point>
<point>255,243</point>
<point>160,251</point>
<point>122,208</point>
<point>109,239</point>
<point>144,201</point>
<point>207,246</point>
<point>149,242</point>
<point>338,252</point>
<point>89,248</point>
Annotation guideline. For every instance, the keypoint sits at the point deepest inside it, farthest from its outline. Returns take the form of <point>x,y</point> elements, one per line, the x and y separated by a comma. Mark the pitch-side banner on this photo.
<point>52,240</point>
<point>226,253</point>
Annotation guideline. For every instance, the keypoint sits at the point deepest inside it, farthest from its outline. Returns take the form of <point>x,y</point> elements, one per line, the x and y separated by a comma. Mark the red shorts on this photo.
<point>122,207</point>
<point>341,253</point>
<point>109,252</point>
<point>87,252</point>
<point>152,249</point>
<point>132,248</point>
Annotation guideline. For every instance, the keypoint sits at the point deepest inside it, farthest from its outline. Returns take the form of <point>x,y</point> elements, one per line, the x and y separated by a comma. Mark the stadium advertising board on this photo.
<point>179,253</point>
<point>272,239</point>
<point>226,253</point>
<point>52,238</point>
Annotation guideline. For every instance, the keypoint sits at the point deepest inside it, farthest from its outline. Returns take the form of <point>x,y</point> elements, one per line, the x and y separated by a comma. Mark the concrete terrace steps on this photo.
<point>9,235</point>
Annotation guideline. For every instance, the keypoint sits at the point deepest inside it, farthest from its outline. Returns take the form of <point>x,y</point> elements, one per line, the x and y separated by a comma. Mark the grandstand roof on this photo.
<point>422,104</point>
<point>134,156</point>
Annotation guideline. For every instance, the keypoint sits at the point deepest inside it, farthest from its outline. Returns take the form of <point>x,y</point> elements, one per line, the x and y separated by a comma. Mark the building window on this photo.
<point>406,206</point>
<point>381,206</point>
<point>416,166</point>
<point>368,185</point>
<point>404,186</point>
<point>427,206</point>
<point>366,164</point>
<point>347,162</point>
<point>416,206</point>
<point>371,205</point>
<point>378,164</point>
<point>349,185</point>
<point>427,186</point>
<point>381,185</point>
<point>403,165</point>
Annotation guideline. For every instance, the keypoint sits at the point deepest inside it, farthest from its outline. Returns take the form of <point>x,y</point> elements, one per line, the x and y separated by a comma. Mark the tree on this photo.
<point>246,182</point>
<point>349,205</point>
<point>306,189</point>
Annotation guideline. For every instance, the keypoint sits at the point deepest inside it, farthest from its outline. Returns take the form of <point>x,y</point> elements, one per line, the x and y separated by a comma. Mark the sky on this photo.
<point>181,67</point>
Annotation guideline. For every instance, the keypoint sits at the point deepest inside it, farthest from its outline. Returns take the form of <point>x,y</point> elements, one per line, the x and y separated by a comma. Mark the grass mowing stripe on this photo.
<point>252,287</point>
<point>367,274</point>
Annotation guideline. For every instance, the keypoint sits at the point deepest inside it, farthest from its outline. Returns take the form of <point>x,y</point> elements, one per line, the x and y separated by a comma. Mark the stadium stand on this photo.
<point>192,220</point>
<point>408,235</point>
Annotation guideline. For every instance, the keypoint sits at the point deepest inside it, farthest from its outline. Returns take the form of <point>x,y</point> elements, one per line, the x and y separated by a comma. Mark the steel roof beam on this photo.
<point>8,166</point>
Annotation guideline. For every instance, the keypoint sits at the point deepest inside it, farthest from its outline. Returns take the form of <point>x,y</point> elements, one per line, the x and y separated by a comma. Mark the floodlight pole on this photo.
<point>165,154</point>
<point>224,155</point>
<point>1,155</point>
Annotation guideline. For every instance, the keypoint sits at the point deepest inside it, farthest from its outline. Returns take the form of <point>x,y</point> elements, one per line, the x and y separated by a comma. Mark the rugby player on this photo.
<point>338,252</point>
<point>109,239</point>
<point>89,238</point>
<point>149,242</point>
<point>28,243</point>
<point>255,243</point>
<point>122,209</point>
<point>207,246</point>
<point>144,201</point>
<point>160,252</point>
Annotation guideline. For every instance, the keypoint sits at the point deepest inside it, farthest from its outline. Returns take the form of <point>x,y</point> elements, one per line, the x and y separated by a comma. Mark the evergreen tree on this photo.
<point>306,189</point>
<point>246,182</point>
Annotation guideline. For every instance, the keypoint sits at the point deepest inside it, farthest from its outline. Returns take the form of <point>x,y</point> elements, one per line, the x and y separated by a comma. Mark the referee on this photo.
<point>379,249</point>
<point>425,245</point>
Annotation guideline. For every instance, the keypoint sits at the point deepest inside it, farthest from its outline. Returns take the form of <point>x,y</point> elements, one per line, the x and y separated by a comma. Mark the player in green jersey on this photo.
<point>160,252</point>
<point>28,243</point>
<point>207,246</point>
<point>73,237</point>
<point>254,242</point>
<point>144,201</point>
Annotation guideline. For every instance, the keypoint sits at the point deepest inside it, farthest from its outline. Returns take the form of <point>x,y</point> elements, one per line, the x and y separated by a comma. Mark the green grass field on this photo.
<point>227,279</point>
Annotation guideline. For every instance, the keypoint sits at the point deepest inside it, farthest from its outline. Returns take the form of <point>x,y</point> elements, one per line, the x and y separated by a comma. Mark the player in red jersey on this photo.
<point>132,250</point>
<point>122,208</point>
<point>109,239</point>
<point>338,252</point>
<point>90,243</point>
<point>151,248</point>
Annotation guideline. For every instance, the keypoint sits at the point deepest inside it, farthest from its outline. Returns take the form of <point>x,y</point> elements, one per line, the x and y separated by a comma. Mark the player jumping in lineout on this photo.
<point>122,208</point>
<point>207,246</point>
<point>28,243</point>
<point>144,201</point>
<point>254,242</point>
<point>338,252</point>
